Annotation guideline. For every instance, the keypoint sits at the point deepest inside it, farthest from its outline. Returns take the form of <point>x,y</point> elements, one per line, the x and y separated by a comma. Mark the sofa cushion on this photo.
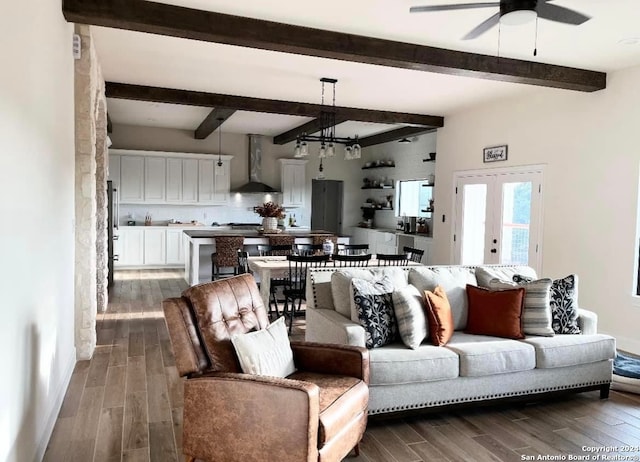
<point>453,279</point>
<point>536,314</point>
<point>439,317</point>
<point>570,350</point>
<point>395,364</point>
<point>374,310</point>
<point>484,274</point>
<point>564,303</point>
<point>408,305</point>
<point>495,312</point>
<point>482,355</point>
<point>341,279</point>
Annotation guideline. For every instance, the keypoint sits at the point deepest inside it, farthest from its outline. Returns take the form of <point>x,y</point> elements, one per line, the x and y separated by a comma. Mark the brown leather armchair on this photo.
<point>318,413</point>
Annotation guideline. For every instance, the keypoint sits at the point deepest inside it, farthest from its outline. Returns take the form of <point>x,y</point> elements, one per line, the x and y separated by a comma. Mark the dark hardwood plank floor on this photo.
<point>126,403</point>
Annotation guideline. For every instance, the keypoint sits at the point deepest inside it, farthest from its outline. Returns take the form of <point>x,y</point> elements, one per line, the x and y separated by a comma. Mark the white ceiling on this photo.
<point>137,58</point>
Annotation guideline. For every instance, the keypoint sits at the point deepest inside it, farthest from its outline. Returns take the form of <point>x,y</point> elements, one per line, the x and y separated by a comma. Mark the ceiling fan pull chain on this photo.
<point>535,45</point>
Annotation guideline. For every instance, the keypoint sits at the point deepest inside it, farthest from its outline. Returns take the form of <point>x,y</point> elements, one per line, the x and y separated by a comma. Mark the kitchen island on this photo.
<point>201,244</point>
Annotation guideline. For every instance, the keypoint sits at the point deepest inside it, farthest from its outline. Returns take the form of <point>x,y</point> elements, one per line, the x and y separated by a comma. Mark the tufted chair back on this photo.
<point>204,318</point>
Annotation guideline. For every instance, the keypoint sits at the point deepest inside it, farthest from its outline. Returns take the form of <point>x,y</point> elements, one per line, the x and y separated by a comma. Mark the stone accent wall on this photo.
<point>102,253</point>
<point>89,93</point>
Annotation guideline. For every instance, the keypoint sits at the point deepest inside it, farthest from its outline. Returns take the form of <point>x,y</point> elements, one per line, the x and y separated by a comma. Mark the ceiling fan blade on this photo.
<point>459,6</point>
<point>483,27</point>
<point>561,14</point>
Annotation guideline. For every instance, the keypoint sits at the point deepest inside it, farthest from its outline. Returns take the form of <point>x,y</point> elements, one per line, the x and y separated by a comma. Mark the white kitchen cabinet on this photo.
<point>174,180</point>
<point>189,181</point>
<point>213,182</point>
<point>386,242</point>
<point>359,236</point>
<point>175,247</point>
<point>114,169</point>
<point>155,179</point>
<point>155,246</point>
<point>293,182</point>
<point>182,181</point>
<point>132,179</point>
<point>131,246</point>
<point>423,243</point>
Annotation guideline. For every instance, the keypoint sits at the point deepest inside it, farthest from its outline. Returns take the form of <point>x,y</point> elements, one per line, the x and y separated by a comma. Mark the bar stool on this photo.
<point>226,255</point>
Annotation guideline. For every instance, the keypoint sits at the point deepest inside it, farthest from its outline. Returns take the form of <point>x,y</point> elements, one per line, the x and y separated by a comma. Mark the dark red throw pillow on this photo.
<point>495,312</point>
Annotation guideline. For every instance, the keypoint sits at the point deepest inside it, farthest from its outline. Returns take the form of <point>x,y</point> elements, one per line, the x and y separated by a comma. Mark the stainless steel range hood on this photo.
<point>255,185</point>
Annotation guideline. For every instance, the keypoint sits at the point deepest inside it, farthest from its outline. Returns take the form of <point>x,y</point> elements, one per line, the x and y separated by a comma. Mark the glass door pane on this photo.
<point>474,211</point>
<point>515,223</point>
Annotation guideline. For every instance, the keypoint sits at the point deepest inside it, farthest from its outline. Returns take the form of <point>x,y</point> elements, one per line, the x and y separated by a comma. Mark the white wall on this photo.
<point>37,209</point>
<point>590,144</point>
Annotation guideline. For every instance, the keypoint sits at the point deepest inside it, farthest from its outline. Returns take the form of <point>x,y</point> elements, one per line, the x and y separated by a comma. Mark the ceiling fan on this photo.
<point>511,12</point>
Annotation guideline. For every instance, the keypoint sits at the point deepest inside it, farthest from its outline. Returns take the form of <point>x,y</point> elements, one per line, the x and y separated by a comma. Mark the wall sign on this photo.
<point>495,153</point>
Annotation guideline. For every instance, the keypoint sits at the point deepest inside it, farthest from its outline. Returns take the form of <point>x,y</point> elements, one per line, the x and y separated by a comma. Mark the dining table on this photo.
<point>266,268</point>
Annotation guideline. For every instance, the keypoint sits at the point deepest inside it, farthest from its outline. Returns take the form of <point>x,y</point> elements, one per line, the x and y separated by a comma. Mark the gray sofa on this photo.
<point>469,368</point>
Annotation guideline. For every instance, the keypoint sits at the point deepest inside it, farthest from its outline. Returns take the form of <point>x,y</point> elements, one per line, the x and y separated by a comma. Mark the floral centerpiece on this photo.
<point>270,213</point>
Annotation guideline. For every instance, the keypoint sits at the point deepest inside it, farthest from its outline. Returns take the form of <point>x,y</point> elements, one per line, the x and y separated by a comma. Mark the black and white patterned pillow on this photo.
<point>564,303</point>
<point>375,310</point>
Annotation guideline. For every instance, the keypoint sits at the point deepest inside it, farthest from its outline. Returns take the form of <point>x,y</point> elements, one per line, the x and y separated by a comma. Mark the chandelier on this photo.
<point>327,137</point>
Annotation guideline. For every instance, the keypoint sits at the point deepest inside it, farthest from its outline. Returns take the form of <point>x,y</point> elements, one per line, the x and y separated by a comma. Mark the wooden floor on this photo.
<point>126,404</point>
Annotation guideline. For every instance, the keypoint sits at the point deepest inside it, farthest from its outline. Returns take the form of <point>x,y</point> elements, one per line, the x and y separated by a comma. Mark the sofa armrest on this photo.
<point>587,321</point>
<point>242,416</point>
<point>325,358</point>
<point>329,326</point>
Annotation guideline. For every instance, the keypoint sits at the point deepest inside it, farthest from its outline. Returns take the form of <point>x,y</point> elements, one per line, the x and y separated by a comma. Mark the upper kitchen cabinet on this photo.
<point>213,181</point>
<point>155,179</point>
<point>182,181</point>
<point>152,177</point>
<point>293,182</point>
<point>132,179</point>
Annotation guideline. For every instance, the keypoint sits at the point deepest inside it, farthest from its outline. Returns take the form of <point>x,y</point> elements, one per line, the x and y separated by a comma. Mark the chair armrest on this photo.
<point>587,321</point>
<point>246,416</point>
<point>325,358</point>
<point>329,326</point>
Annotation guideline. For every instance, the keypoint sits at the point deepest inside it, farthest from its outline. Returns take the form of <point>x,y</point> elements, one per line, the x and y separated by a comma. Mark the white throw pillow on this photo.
<point>266,351</point>
<point>454,280</point>
<point>408,304</point>
<point>536,314</point>
<point>484,274</point>
<point>341,280</point>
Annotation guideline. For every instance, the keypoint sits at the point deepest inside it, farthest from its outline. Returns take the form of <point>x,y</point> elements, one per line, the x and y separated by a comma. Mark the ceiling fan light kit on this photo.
<point>327,137</point>
<point>511,12</point>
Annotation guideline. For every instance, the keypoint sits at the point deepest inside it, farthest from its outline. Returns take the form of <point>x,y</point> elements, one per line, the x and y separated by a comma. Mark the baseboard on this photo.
<point>630,345</point>
<point>50,421</point>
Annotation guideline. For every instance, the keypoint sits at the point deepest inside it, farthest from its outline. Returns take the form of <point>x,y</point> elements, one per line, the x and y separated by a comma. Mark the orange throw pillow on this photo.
<point>439,315</point>
<point>495,312</point>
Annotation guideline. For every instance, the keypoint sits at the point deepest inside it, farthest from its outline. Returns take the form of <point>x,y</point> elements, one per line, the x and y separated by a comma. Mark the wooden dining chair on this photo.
<point>308,249</point>
<point>296,284</point>
<point>393,259</point>
<point>353,249</point>
<point>278,250</point>
<point>351,260</point>
<point>413,254</point>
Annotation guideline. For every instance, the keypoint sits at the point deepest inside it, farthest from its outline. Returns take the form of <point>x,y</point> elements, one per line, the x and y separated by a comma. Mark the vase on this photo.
<point>269,223</point>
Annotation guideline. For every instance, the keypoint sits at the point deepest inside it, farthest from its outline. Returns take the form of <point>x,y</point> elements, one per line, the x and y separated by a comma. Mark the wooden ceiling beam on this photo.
<point>216,117</point>
<point>310,127</point>
<point>272,106</point>
<point>188,23</point>
<point>393,135</point>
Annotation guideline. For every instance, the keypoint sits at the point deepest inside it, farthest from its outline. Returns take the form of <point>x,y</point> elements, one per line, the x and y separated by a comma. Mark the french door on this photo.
<point>498,217</point>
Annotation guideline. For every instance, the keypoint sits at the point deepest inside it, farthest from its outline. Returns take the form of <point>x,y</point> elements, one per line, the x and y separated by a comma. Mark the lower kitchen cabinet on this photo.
<point>175,247</point>
<point>131,242</point>
<point>155,252</point>
<point>149,246</point>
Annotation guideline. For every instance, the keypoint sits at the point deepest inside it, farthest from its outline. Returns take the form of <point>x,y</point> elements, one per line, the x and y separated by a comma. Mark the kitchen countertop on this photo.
<point>208,233</point>
<point>398,231</point>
